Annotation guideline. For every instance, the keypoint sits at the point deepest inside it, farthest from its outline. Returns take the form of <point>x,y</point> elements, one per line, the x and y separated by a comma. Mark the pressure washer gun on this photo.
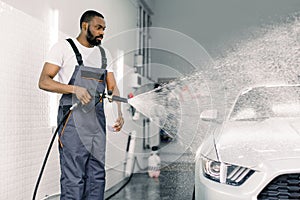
<point>109,96</point>
<point>112,97</point>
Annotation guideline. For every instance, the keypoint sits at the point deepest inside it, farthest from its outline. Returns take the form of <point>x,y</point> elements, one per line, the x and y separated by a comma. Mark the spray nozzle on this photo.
<point>108,95</point>
<point>112,97</point>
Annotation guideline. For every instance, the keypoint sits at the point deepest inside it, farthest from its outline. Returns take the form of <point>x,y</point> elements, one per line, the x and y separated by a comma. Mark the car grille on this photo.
<point>285,186</point>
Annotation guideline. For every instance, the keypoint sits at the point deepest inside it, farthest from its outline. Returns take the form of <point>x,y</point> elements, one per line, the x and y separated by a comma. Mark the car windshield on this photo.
<point>266,102</point>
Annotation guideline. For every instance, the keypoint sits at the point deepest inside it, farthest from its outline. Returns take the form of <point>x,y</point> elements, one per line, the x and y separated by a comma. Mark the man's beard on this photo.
<point>93,39</point>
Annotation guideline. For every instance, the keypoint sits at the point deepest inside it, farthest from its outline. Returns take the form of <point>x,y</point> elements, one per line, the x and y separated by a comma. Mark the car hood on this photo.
<point>250,143</point>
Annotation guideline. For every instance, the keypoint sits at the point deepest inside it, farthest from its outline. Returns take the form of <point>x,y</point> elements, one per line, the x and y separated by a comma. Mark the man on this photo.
<point>82,138</point>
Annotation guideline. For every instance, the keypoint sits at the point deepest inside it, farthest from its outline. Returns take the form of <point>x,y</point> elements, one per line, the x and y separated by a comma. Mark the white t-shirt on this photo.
<point>62,55</point>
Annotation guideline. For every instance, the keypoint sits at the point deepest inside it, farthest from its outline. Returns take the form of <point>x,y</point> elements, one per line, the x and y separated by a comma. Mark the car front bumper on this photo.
<point>206,189</point>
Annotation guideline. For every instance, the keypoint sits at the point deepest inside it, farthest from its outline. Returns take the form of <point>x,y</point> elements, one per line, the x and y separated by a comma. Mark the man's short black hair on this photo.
<point>88,15</point>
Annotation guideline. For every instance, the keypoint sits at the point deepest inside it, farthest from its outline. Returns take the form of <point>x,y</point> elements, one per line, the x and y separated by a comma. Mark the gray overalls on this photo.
<point>82,138</point>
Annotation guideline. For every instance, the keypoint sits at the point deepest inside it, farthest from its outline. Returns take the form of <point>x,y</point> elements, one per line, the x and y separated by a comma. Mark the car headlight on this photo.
<point>225,173</point>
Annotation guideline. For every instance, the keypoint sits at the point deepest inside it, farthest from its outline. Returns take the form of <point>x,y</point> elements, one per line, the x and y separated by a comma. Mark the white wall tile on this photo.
<point>24,120</point>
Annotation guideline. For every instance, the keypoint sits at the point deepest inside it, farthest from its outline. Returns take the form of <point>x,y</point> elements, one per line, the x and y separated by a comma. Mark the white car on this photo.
<point>255,152</point>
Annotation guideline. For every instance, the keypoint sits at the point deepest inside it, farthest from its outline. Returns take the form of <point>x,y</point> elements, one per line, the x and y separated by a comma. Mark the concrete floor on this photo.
<point>176,182</point>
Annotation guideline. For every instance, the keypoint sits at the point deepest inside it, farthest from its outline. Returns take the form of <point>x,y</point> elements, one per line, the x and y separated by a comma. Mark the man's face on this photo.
<point>95,31</point>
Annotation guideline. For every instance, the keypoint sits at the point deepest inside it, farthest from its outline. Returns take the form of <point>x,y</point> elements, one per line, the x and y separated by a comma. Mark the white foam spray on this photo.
<point>270,55</point>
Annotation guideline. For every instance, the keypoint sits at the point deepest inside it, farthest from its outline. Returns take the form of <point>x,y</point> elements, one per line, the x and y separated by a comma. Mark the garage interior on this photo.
<point>153,42</point>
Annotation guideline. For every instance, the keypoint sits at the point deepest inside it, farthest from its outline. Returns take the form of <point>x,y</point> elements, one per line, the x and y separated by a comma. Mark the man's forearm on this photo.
<point>48,84</point>
<point>117,93</point>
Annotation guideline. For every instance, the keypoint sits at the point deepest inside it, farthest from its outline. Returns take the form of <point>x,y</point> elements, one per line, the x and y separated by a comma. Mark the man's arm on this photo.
<point>112,85</point>
<point>47,83</point>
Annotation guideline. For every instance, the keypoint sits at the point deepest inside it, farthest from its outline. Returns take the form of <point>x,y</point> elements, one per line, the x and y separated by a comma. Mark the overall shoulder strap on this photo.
<point>104,59</point>
<point>76,51</point>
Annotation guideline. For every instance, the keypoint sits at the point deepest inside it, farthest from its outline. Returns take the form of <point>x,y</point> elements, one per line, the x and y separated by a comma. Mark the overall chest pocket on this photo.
<point>94,80</point>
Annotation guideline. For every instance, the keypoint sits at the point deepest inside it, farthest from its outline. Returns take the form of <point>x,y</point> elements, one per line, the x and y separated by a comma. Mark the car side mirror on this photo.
<point>209,115</point>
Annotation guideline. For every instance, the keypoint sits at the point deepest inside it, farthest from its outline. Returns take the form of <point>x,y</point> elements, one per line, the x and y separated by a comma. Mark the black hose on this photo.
<point>128,180</point>
<point>193,197</point>
<point>47,155</point>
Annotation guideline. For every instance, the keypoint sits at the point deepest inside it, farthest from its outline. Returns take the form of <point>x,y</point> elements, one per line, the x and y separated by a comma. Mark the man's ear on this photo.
<point>85,26</point>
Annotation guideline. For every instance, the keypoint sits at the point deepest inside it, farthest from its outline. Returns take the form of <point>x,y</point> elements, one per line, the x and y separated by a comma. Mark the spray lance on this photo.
<point>110,98</point>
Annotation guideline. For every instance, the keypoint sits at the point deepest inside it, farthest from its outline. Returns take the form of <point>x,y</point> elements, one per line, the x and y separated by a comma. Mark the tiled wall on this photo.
<point>24,109</point>
<point>26,113</point>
